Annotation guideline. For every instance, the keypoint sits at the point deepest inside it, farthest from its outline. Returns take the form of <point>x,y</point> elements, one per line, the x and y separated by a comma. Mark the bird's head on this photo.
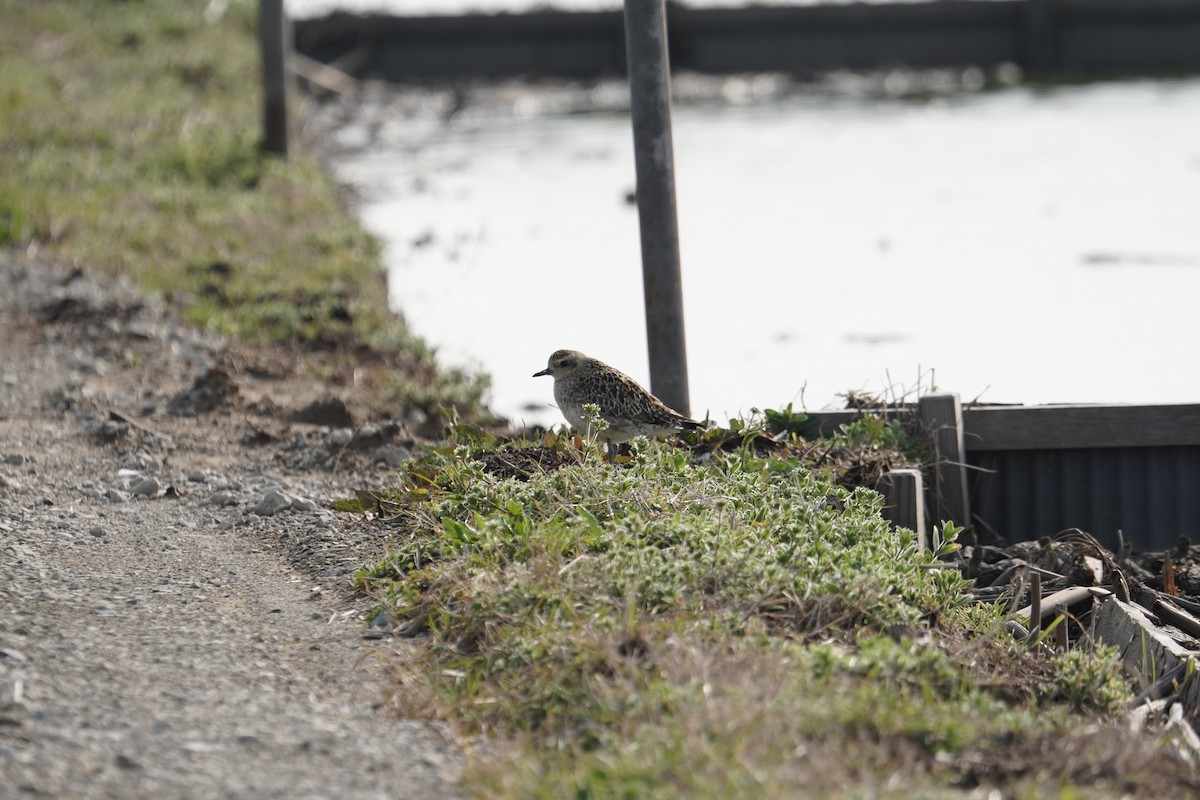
<point>561,363</point>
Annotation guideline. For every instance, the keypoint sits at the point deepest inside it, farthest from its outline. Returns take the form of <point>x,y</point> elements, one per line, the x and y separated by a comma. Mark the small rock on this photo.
<point>123,761</point>
<point>146,487</point>
<point>145,462</point>
<point>329,411</point>
<point>392,455</point>
<point>118,496</point>
<point>368,432</point>
<point>113,429</point>
<point>96,531</point>
<point>304,504</point>
<point>16,459</point>
<point>341,437</point>
<point>222,499</point>
<point>11,654</point>
<point>272,503</point>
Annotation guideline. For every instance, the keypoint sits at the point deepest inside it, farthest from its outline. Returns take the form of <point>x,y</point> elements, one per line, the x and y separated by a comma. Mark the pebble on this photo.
<point>304,504</point>
<point>272,503</point>
<point>221,499</point>
<point>122,761</point>
<point>111,428</point>
<point>16,459</point>
<point>341,437</point>
<point>146,487</point>
<point>96,531</point>
<point>145,462</point>
<point>12,654</point>
<point>392,455</point>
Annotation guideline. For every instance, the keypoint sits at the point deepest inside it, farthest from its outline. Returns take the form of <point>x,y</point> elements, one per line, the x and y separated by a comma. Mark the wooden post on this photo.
<point>650,107</point>
<point>903,493</point>
<point>272,38</point>
<point>1035,607</point>
<point>941,415</point>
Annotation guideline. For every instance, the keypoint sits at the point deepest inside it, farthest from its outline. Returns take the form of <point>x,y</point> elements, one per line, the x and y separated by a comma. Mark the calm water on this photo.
<point>1017,246</point>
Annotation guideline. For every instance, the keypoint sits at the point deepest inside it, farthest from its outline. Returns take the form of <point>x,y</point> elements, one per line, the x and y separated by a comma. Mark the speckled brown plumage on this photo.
<point>629,409</point>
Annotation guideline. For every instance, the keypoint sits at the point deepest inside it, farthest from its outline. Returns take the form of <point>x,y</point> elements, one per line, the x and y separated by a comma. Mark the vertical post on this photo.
<point>654,156</point>
<point>272,39</point>
<point>904,501</point>
<point>941,415</point>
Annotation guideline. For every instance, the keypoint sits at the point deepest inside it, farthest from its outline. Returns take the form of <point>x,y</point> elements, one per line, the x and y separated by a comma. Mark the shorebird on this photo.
<point>628,409</point>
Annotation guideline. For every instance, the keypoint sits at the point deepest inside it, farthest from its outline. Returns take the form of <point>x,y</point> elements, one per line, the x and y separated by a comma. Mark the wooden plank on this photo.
<point>1145,648</point>
<point>1064,598</point>
<point>942,417</point>
<point>1053,427</point>
<point>903,493</point>
<point>1080,426</point>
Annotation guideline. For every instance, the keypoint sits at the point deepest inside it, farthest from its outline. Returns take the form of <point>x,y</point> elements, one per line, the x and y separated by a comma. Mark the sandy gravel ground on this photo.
<point>175,617</point>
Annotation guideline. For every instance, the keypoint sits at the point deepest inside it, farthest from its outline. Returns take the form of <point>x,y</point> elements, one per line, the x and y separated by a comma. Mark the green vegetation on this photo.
<point>130,143</point>
<point>704,622</point>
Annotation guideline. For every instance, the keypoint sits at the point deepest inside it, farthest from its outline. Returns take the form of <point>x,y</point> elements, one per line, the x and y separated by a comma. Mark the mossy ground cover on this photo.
<point>717,622</point>
<point>130,143</point>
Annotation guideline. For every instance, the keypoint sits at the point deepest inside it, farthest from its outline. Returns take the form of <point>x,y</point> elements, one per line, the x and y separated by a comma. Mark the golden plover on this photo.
<point>628,409</point>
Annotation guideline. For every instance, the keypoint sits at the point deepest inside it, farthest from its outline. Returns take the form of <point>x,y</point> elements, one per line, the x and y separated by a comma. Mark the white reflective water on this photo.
<point>1028,246</point>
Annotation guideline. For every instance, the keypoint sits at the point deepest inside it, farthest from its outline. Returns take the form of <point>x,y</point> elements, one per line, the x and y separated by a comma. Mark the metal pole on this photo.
<point>272,27</point>
<point>650,104</point>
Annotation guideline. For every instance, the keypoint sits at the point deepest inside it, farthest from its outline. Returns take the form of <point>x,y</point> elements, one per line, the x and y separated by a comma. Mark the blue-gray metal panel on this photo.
<point>1152,494</point>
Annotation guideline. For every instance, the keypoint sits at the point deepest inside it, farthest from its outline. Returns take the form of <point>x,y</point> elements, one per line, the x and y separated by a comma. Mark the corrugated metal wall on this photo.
<point>1152,494</point>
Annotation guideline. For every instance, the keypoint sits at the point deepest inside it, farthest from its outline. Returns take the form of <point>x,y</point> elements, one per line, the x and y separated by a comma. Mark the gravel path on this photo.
<point>175,617</point>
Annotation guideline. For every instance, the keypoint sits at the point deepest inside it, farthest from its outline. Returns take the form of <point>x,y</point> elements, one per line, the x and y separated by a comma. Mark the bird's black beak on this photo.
<point>543,372</point>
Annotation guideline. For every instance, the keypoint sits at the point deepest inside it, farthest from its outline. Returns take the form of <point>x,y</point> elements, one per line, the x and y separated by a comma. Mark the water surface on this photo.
<point>1015,246</point>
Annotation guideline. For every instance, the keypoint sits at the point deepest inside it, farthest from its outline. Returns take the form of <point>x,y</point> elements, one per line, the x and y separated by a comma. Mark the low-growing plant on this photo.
<point>638,625</point>
<point>1089,679</point>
